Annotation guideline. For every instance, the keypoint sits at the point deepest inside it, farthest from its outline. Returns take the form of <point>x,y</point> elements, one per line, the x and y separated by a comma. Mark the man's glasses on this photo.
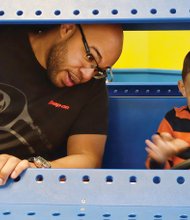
<point>101,73</point>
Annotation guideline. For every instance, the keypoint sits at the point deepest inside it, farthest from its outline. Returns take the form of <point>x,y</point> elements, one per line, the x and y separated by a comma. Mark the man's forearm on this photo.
<point>76,161</point>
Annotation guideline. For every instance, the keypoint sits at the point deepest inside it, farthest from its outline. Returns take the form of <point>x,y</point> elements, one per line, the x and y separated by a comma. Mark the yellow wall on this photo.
<point>154,49</point>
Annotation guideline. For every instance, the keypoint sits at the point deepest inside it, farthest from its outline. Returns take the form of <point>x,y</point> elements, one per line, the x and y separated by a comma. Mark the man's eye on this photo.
<point>89,57</point>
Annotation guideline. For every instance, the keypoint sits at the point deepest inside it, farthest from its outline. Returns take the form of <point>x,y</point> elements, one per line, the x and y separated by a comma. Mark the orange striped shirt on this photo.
<point>177,123</point>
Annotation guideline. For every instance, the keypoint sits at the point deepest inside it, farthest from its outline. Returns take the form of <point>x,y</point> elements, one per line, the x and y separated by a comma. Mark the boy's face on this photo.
<point>184,88</point>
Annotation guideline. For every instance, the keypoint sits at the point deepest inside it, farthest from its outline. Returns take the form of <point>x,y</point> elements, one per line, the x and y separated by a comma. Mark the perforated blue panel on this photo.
<point>124,11</point>
<point>97,195</point>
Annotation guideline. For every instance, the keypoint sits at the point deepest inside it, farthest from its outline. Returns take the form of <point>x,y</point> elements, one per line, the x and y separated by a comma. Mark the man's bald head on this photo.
<point>108,38</point>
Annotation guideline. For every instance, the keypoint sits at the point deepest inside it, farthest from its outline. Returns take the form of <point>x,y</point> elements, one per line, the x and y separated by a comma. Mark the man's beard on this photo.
<point>56,61</point>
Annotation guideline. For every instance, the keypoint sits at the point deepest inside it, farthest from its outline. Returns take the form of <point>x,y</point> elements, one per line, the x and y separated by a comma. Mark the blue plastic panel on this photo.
<point>135,111</point>
<point>131,121</point>
<point>97,194</point>
<point>124,11</point>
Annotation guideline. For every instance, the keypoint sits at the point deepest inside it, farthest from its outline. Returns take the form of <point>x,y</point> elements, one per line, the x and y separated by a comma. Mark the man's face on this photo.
<point>62,70</point>
<point>68,65</point>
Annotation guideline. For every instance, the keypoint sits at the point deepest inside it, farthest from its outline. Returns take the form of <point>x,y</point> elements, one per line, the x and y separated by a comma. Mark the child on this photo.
<point>171,145</point>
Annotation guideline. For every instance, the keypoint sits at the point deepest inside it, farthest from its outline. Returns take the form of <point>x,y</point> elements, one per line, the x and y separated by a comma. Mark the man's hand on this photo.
<point>164,146</point>
<point>11,166</point>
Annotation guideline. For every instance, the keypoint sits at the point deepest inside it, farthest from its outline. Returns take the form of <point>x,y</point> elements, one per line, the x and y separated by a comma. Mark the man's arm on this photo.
<point>84,151</point>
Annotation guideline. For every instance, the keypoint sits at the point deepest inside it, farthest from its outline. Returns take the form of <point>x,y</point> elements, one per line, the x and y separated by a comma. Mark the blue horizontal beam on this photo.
<point>152,14</point>
<point>143,89</point>
<point>99,187</point>
<point>75,194</point>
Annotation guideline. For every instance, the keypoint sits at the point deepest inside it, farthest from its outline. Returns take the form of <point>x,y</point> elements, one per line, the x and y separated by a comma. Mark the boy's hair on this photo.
<point>186,66</point>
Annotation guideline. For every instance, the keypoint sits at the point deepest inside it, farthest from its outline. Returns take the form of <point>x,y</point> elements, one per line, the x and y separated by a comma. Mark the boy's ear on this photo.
<point>181,88</point>
<point>67,30</point>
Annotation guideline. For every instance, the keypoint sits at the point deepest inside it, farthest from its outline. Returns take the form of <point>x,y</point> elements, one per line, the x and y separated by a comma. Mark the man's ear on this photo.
<point>181,88</point>
<point>67,30</point>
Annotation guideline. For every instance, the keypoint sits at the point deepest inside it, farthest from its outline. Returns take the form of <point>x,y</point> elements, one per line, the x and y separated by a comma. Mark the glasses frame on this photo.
<point>101,72</point>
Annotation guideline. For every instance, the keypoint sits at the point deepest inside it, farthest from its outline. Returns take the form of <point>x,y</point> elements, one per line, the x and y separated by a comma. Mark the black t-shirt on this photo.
<point>36,118</point>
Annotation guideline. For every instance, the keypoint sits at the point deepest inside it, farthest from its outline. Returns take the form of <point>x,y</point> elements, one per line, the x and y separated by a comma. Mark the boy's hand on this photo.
<point>164,146</point>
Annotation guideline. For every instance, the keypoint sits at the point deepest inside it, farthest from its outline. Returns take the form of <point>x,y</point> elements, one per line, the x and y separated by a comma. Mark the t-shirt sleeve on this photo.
<point>93,118</point>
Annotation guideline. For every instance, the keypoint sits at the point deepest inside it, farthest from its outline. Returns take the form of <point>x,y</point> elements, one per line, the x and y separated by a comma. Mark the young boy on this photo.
<point>171,145</point>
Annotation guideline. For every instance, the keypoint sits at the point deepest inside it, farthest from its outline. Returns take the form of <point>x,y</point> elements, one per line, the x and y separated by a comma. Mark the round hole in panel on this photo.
<point>38,12</point>
<point>184,216</point>
<point>153,11</point>
<point>76,12</point>
<point>134,11</point>
<point>86,179</point>
<point>114,12</point>
<point>158,216</point>
<point>173,11</point>
<point>133,179</point>
<point>81,215</point>
<point>109,179</point>
<point>56,214</point>
<point>57,12</point>
<point>2,13</point>
<point>39,178</point>
<point>31,213</point>
<point>19,12</point>
<point>95,12</point>
<point>180,179</point>
<point>62,179</point>
<point>106,215</point>
<point>156,179</point>
<point>7,213</point>
<point>132,215</point>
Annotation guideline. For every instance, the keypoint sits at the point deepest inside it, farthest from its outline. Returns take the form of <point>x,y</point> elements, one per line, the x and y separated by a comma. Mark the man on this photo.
<point>53,98</point>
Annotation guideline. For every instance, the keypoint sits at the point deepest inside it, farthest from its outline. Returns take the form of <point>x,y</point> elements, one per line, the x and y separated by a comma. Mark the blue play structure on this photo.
<point>138,99</point>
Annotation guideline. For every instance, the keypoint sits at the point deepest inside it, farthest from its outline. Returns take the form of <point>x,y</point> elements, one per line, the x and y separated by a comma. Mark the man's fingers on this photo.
<point>21,166</point>
<point>3,160</point>
<point>8,168</point>
<point>11,166</point>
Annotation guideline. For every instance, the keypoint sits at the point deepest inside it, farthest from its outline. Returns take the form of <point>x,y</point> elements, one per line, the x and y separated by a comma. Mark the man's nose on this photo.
<point>87,73</point>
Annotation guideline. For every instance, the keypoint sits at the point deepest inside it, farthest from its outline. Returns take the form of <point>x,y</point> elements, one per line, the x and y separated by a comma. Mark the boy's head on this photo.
<point>184,84</point>
<point>186,66</point>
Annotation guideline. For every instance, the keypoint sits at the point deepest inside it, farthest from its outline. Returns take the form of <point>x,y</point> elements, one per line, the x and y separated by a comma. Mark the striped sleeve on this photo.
<point>165,126</point>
